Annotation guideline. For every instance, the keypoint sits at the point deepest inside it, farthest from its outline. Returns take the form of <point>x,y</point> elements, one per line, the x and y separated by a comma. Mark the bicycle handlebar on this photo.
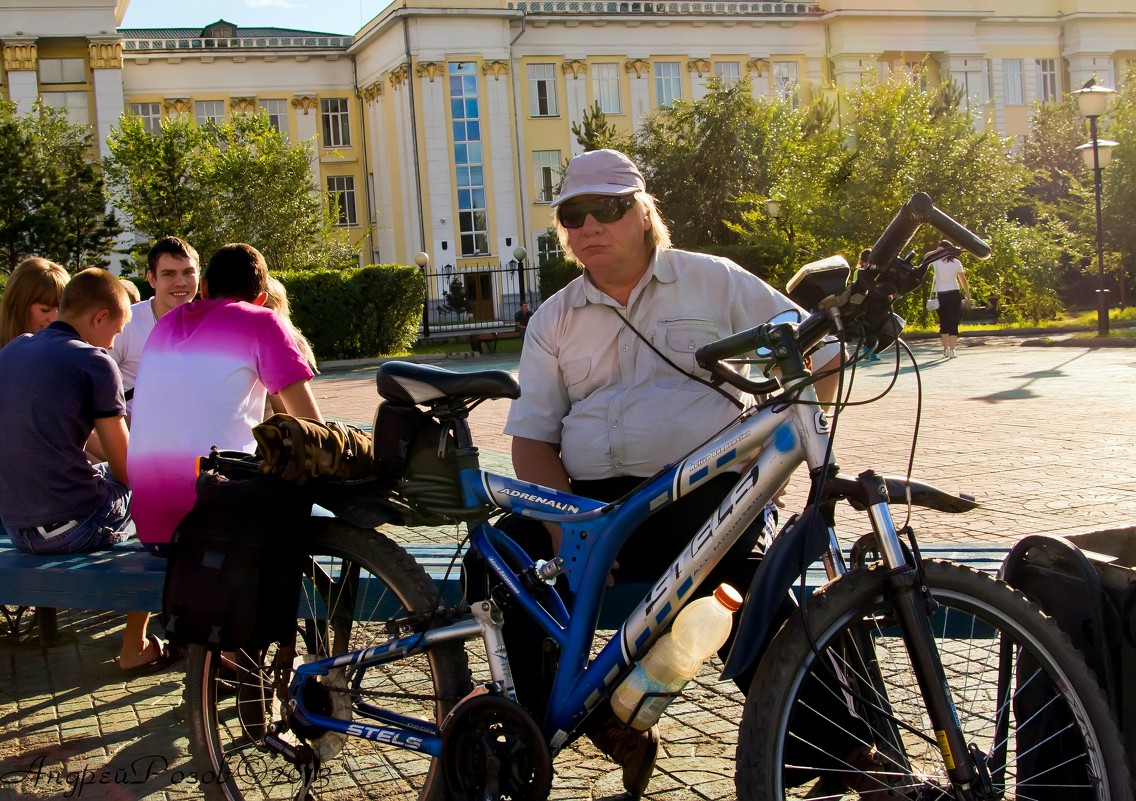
<point>867,298</point>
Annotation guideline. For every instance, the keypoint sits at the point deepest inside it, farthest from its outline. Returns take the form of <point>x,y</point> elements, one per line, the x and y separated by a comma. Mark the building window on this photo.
<point>546,166</point>
<point>341,192</point>
<point>975,83</point>
<point>668,83</point>
<point>605,87</point>
<point>787,80</point>
<point>1013,93</point>
<point>336,122</point>
<point>277,111</point>
<point>151,114</point>
<point>62,70</point>
<point>469,163</point>
<point>548,249</point>
<point>74,103</point>
<point>542,90</point>
<point>1047,80</point>
<point>729,71</point>
<point>209,111</point>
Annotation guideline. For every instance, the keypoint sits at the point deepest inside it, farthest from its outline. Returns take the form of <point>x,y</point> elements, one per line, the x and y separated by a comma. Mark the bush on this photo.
<point>356,313</point>
<point>555,274</point>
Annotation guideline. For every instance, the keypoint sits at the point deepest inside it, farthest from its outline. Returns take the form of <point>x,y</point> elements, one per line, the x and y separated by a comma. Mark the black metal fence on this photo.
<point>477,297</point>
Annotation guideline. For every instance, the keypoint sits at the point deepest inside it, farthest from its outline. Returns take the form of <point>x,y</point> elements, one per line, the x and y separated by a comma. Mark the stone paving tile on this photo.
<point>1042,436</point>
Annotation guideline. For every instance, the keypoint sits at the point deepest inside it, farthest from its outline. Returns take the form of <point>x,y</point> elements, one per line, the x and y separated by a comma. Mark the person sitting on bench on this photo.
<point>56,387</point>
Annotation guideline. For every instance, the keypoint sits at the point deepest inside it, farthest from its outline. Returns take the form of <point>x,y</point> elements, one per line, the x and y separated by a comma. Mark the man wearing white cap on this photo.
<point>610,391</point>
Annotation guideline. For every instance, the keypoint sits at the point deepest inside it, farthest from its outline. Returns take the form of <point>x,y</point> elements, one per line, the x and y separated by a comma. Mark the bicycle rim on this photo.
<point>362,579</point>
<point>835,709</point>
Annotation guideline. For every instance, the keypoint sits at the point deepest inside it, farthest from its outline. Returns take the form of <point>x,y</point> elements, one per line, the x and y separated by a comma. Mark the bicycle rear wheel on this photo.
<point>835,709</point>
<point>356,580</point>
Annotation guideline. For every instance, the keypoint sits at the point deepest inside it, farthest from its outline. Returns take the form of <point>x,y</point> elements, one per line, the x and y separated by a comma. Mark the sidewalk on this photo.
<point>1041,436</point>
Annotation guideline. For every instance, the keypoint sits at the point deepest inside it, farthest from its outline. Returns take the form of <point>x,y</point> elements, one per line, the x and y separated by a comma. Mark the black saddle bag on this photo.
<point>235,564</point>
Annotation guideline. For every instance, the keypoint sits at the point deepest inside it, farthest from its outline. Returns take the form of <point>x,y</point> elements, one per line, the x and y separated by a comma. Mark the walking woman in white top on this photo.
<point>949,277</point>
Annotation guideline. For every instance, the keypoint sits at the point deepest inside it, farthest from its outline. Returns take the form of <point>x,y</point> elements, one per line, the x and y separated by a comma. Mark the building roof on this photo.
<point>253,37</point>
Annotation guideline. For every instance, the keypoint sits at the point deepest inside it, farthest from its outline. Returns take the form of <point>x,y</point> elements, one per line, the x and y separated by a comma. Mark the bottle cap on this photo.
<point>728,597</point>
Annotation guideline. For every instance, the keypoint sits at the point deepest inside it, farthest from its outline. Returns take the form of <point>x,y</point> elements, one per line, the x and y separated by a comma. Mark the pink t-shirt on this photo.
<point>202,381</point>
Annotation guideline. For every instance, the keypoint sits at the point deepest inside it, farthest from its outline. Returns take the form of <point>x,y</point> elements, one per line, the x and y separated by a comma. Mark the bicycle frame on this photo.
<point>765,446</point>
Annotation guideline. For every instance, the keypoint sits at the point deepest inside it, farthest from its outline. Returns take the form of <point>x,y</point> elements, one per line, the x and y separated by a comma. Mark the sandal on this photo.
<point>166,657</point>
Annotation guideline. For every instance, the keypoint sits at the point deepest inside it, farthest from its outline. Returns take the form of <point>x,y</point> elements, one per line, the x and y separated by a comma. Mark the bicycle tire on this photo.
<point>229,707</point>
<point>799,739</point>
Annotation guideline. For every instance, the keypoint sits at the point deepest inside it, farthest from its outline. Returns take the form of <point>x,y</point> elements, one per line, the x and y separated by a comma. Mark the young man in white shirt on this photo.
<point>172,268</point>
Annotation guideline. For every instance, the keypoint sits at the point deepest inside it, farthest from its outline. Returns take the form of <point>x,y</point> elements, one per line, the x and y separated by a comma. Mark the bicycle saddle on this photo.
<point>406,382</point>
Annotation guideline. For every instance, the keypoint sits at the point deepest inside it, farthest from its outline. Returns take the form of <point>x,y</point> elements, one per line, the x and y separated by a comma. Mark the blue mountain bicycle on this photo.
<point>948,683</point>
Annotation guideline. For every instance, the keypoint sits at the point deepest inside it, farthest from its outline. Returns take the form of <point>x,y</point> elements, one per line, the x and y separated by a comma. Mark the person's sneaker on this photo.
<point>946,353</point>
<point>634,750</point>
<point>954,353</point>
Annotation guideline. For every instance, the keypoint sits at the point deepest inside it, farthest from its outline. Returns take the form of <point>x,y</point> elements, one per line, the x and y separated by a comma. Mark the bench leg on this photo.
<point>21,619</point>
<point>48,625</point>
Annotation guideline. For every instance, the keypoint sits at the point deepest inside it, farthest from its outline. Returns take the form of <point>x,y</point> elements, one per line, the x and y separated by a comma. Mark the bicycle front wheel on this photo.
<point>835,707</point>
<point>355,581</point>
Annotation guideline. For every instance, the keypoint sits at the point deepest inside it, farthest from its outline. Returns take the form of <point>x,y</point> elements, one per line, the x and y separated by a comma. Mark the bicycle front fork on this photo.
<point>908,595</point>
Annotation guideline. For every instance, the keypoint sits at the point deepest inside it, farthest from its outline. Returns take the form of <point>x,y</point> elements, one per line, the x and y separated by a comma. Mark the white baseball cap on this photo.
<point>600,172</point>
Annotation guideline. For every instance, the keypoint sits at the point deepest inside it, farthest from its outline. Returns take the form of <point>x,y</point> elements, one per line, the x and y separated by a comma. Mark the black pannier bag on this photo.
<point>417,455</point>
<point>235,564</point>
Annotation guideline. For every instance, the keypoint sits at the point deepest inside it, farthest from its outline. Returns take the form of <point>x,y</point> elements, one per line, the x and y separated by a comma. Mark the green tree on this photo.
<point>454,299</point>
<point>55,200</point>
<point>1120,185</point>
<point>236,181</point>
<point>594,132</point>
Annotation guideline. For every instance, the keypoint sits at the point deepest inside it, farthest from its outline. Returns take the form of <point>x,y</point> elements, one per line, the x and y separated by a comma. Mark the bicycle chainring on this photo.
<point>492,749</point>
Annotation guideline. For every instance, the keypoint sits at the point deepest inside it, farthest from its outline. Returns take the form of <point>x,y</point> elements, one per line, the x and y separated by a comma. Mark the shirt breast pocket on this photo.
<point>679,340</point>
<point>575,373</point>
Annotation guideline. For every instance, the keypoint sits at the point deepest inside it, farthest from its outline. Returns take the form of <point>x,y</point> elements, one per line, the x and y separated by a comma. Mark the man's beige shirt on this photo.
<point>617,409</point>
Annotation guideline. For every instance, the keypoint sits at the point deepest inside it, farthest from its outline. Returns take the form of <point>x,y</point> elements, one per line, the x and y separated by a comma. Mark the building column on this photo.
<point>379,221</point>
<point>576,85</point>
<point>20,64</point>
<point>106,67</point>
<point>700,70</point>
<point>437,160</point>
<point>639,70</point>
<point>498,122</point>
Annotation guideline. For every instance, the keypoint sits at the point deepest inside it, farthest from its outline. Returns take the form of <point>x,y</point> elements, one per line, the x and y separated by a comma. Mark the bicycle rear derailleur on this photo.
<point>493,749</point>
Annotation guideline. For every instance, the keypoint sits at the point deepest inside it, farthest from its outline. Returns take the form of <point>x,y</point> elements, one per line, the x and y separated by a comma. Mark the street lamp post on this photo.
<point>520,254</point>
<point>422,259</point>
<point>1092,100</point>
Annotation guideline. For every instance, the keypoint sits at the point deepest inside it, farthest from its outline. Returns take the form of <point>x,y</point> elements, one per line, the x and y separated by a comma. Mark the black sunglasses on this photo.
<point>603,210</point>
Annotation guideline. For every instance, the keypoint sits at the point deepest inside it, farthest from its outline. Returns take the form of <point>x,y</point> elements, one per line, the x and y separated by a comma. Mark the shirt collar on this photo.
<point>661,268</point>
<point>66,328</point>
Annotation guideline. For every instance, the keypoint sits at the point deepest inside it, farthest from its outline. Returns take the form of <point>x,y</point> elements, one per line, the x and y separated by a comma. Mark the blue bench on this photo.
<point>127,578</point>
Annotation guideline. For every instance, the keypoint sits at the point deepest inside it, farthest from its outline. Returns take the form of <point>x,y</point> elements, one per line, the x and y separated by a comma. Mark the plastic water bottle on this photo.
<point>700,629</point>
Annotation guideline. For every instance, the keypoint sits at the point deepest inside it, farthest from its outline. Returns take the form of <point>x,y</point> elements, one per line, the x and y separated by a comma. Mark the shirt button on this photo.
<point>625,349</point>
<point>615,425</point>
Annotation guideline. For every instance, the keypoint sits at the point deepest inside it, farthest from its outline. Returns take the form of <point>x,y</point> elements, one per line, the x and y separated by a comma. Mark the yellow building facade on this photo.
<point>441,127</point>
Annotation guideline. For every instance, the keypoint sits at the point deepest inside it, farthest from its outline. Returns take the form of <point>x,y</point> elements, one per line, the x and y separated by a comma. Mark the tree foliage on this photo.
<point>235,181</point>
<point>55,203</point>
<point>1120,186</point>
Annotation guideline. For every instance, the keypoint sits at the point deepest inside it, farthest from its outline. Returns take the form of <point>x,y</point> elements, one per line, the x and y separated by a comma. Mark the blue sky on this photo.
<point>328,16</point>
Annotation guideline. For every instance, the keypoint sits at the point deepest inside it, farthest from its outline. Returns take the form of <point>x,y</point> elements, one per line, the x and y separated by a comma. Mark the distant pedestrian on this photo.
<point>949,278</point>
<point>131,290</point>
<point>522,317</point>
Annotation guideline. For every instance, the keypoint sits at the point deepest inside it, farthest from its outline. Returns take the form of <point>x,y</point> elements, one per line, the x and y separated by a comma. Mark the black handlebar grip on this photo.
<point>900,230</point>
<point>726,348</point>
<point>958,233</point>
<point>914,213</point>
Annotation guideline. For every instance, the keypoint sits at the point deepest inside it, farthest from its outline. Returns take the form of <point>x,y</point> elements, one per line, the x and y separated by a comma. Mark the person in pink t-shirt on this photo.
<point>202,381</point>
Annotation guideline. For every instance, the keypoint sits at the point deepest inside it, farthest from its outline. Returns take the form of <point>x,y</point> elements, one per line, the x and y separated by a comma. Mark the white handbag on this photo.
<point>933,303</point>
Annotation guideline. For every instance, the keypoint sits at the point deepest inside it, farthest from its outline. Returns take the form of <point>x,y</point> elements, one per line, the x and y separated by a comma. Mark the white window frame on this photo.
<point>75,104</point>
<point>277,113</point>
<point>542,90</point>
<point>729,71</point>
<point>787,81</point>
<point>547,165</point>
<point>1048,84</point>
<point>548,248</point>
<point>335,118</point>
<point>605,87</point>
<point>209,111</point>
<point>341,190</point>
<point>668,82</point>
<point>1013,82</point>
<point>62,70</point>
<point>151,114</point>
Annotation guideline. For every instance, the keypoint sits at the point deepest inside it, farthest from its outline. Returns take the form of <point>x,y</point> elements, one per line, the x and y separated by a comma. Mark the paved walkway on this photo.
<point>1041,436</point>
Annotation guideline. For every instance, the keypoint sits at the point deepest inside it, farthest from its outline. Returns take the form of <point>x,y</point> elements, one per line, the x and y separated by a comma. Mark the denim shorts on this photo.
<point>97,532</point>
